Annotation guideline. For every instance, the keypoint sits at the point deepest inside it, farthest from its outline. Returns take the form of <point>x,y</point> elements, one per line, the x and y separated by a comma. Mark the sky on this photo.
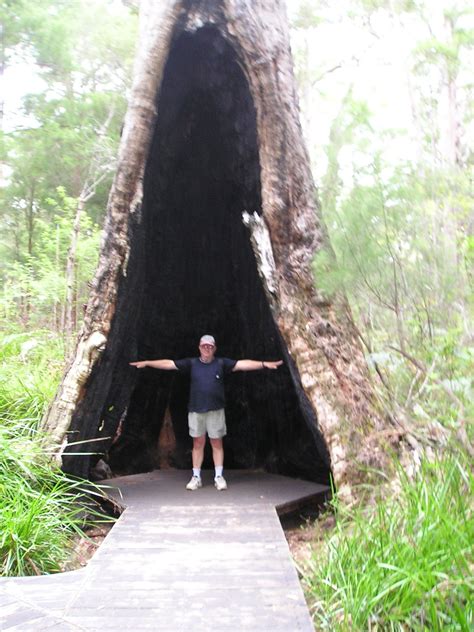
<point>19,78</point>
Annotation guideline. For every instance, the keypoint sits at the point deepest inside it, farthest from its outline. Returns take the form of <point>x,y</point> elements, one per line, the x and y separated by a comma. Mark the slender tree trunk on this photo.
<point>56,324</point>
<point>454,128</point>
<point>30,218</point>
<point>69,320</point>
<point>2,72</point>
<point>30,225</point>
<point>98,170</point>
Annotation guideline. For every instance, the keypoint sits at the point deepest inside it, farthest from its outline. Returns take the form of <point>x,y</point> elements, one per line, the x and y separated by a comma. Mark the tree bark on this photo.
<point>317,331</point>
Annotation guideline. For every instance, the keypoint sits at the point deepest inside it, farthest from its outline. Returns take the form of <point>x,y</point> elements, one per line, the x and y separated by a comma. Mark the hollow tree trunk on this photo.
<point>325,368</point>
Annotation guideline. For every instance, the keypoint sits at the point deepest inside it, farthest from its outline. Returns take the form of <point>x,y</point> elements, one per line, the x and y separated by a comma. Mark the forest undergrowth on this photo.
<point>42,510</point>
<point>397,559</point>
<point>401,556</point>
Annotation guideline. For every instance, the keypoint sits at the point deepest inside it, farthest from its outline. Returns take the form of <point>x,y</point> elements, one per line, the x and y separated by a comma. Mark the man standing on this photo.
<point>206,401</point>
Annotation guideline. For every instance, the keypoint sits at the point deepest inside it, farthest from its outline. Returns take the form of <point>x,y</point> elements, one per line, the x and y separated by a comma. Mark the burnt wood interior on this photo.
<point>192,271</point>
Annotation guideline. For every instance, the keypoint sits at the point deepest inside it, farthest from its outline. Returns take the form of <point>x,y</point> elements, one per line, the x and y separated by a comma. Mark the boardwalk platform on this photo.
<point>179,561</point>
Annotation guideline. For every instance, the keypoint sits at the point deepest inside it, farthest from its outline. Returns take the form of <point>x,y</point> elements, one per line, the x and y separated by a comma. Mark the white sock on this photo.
<point>219,470</point>
<point>197,472</point>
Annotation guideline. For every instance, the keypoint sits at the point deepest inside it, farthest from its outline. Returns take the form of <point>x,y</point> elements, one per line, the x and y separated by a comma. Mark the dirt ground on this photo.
<point>300,538</point>
<point>305,533</point>
<point>83,548</point>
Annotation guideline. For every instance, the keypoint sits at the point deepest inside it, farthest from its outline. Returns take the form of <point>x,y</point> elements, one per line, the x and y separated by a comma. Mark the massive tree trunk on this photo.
<point>212,227</point>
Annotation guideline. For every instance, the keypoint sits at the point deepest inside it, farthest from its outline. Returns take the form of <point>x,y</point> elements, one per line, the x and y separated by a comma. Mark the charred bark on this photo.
<point>212,131</point>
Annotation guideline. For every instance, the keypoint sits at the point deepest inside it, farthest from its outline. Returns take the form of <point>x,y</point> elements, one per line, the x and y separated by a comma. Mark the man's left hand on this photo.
<point>268,364</point>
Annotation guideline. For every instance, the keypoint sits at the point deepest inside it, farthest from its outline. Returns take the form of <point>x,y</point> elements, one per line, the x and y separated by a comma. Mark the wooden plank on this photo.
<point>179,560</point>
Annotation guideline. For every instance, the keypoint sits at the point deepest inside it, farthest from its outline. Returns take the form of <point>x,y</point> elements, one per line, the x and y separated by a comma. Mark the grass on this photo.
<point>41,509</point>
<point>31,366</point>
<point>406,563</point>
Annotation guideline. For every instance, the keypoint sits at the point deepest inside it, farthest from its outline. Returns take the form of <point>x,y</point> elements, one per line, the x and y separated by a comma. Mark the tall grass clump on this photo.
<point>30,368</point>
<point>406,563</point>
<point>41,509</point>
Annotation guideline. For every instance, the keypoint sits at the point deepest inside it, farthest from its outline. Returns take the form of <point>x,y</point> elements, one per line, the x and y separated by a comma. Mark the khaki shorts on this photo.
<point>212,422</point>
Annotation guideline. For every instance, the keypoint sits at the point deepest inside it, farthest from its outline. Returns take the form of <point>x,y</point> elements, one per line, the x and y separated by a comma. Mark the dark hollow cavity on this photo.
<point>192,271</point>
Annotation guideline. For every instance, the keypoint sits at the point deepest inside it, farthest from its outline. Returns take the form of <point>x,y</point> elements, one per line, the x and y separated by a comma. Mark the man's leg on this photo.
<point>216,429</point>
<point>197,430</point>
<point>218,456</point>
<point>217,452</point>
<point>198,451</point>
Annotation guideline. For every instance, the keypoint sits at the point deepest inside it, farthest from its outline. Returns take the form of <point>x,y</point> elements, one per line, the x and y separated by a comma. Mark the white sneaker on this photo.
<point>220,483</point>
<point>194,483</point>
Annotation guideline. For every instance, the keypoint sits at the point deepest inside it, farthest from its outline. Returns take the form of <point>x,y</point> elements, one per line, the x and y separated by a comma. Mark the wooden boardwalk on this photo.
<point>179,561</point>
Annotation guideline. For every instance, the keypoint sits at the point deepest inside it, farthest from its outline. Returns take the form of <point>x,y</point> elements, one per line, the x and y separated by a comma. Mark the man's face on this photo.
<point>207,351</point>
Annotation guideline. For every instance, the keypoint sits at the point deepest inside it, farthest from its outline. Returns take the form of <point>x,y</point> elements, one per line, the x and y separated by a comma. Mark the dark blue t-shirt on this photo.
<point>207,382</point>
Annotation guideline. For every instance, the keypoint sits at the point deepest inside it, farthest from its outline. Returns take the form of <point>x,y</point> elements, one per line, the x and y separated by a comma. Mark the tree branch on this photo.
<point>421,367</point>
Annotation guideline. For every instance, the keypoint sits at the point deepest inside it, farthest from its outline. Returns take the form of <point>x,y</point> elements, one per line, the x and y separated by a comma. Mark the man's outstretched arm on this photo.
<point>166,365</point>
<point>256,365</point>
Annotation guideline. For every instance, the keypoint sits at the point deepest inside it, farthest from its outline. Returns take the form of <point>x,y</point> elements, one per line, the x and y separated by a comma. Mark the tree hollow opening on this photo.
<point>192,271</point>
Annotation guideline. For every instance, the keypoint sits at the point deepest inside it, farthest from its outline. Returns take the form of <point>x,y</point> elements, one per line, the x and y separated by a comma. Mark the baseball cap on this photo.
<point>207,340</point>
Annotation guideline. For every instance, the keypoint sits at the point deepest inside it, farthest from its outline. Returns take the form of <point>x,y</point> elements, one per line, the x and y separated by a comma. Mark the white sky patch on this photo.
<point>20,78</point>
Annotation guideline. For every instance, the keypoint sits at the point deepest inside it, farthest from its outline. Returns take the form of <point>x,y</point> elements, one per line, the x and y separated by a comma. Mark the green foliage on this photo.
<point>58,157</point>
<point>91,40</point>
<point>395,221</point>
<point>39,280</point>
<point>32,363</point>
<point>402,258</point>
<point>62,150</point>
<point>349,128</point>
<point>404,563</point>
<point>306,16</point>
<point>41,509</point>
<point>400,230</point>
<point>38,512</point>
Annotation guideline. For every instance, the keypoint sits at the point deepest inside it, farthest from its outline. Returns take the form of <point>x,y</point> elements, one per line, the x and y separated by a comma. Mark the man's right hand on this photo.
<point>165,365</point>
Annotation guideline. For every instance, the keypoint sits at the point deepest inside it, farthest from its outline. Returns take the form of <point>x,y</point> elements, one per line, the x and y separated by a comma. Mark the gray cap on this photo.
<point>207,340</point>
